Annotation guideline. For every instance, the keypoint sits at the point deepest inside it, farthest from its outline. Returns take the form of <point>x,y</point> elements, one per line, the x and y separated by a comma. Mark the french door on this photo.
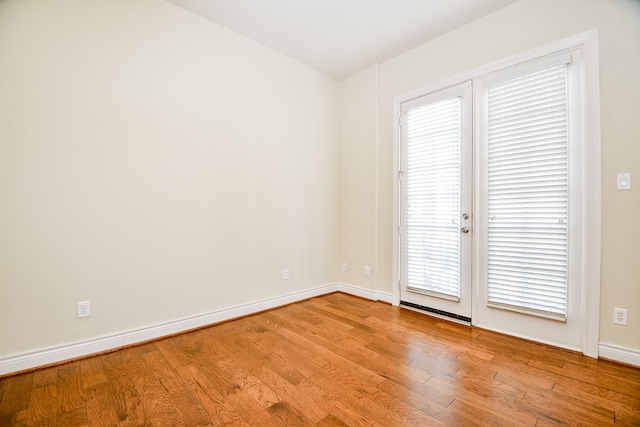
<point>530,204</point>
<point>436,192</point>
<point>491,223</point>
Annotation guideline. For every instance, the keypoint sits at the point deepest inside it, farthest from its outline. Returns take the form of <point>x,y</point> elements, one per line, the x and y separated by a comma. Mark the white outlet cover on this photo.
<point>620,316</point>
<point>84,309</point>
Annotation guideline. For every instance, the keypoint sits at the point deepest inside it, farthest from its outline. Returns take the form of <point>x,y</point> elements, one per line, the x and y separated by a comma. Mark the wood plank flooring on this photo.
<point>334,360</point>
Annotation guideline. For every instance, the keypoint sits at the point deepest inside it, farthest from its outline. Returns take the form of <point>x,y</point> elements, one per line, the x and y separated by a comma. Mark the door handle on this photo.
<point>465,230</point>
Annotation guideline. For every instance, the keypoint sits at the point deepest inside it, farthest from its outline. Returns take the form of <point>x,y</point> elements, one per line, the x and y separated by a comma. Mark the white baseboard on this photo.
<point>364,293</point>
<point>619,354</point>
<point>47,356</point>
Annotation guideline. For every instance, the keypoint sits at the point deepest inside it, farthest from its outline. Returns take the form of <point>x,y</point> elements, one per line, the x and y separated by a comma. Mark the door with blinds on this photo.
<point>530,197</point>
<point>498,215</point>
<point>436,194</point>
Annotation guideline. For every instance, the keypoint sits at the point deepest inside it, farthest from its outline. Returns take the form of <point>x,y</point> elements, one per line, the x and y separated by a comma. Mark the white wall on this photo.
<point>357,205</point>
<point>157,165</point>
<point>522,26</point>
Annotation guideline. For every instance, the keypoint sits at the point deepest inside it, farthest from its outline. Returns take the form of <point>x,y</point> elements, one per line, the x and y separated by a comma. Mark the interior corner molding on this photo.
<point>58,354</point>
<point>619,354</point>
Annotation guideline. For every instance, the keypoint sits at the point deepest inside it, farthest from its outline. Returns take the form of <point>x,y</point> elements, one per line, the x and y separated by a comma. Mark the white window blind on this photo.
<point>528,192</point>
<point>433,138</point>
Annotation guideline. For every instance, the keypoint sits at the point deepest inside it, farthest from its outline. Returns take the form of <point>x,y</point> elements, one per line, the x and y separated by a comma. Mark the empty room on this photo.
<point>319,213</point>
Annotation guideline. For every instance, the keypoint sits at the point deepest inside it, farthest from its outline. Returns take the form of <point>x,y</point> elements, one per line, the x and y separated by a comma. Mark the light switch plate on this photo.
<point>624,181</point>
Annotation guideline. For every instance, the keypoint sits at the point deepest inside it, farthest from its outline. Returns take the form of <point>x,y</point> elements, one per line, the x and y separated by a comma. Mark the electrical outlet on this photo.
<point>367,270</point>
<point>620,316</point>
<point>285,274</point>
<point>344,266</point>
<point>84,309</point>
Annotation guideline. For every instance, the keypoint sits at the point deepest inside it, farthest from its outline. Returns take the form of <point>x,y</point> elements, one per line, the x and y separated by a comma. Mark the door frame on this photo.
<point>591,206</point>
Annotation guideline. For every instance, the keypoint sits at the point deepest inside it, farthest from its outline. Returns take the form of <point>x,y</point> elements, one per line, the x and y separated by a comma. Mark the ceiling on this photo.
<point>342,37</point>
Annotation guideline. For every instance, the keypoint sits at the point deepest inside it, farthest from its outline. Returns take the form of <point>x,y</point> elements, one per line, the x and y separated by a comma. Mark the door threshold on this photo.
<point>463,320</point>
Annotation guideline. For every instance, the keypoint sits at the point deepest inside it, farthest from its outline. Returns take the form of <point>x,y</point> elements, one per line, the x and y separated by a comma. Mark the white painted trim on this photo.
<point>47,356</point>
<point>620,354</point>
<point>364,293</point>
<point>592,203</point>
<point>385,297</point>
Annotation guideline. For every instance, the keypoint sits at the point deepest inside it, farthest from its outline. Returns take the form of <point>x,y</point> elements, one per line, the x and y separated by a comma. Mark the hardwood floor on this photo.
<point>334,360</point>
